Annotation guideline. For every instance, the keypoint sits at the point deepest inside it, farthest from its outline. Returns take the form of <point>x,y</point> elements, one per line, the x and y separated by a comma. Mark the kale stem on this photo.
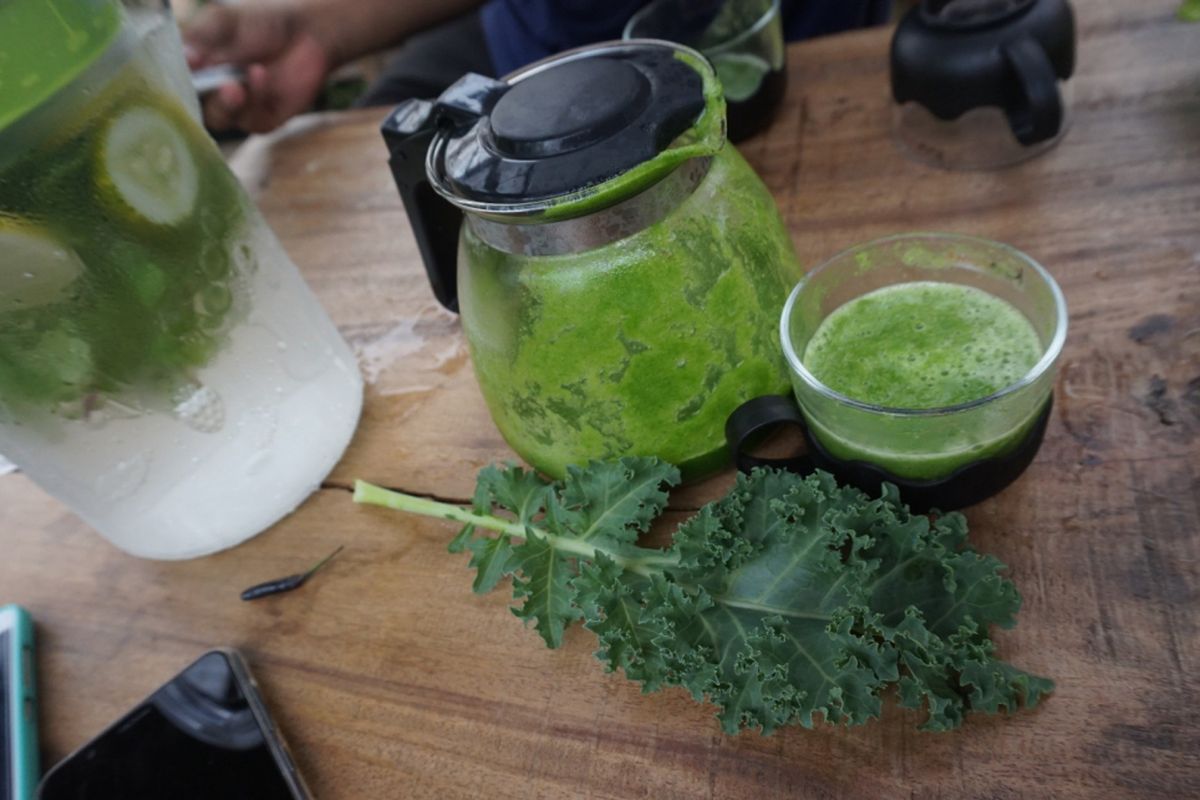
<point>378,496</point>
<point>371,494</point>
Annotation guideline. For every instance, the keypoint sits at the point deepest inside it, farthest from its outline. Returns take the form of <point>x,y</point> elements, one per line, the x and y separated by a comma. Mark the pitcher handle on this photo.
<point>408,132</point>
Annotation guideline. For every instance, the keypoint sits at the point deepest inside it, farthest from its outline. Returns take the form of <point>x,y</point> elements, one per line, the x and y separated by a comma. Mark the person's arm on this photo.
<point>289,47</point>
<point>354,28</point>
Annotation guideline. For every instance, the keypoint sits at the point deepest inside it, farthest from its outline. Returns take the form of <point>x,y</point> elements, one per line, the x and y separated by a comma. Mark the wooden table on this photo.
<point>392,680</point>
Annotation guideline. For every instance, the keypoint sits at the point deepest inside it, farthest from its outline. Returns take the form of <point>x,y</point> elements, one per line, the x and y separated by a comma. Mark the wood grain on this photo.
<point>392,680</point>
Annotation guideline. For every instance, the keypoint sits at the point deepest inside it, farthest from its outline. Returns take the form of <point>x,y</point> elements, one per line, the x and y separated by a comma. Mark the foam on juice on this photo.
<point>922,345</point>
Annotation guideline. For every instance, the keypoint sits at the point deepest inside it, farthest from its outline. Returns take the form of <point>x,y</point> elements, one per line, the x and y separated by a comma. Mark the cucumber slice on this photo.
<point>35,269</point>
<point>147,168</point>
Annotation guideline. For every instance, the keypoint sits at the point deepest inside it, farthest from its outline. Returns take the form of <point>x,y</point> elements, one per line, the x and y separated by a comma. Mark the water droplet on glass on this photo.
<point>123,479</point>
<point>258,462</point>
<point>299,354</point>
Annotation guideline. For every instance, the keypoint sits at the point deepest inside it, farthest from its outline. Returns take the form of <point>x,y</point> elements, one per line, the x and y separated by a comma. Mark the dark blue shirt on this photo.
<point>521,31</point>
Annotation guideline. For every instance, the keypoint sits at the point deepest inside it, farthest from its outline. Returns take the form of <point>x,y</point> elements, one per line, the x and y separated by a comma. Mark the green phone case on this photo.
<point>16,632</point>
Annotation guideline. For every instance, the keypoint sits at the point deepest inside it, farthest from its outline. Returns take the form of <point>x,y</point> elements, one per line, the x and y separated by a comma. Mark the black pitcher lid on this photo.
<point>955,55</point>
<point>563,124</point>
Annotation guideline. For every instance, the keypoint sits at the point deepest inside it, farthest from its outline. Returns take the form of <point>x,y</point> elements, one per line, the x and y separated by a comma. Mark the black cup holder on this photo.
<point>968,485</point>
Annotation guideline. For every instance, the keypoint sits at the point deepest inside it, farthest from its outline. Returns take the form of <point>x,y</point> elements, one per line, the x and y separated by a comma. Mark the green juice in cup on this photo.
<point>922,345</point>
<point>922,354</point>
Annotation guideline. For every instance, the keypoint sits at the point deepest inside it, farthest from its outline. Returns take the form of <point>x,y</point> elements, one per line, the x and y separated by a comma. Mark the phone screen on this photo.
<point>196,737</point>
<point>6,780</point>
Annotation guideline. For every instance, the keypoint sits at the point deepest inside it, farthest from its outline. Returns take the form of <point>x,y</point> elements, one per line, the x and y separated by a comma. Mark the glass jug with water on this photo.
<point>164,370</point>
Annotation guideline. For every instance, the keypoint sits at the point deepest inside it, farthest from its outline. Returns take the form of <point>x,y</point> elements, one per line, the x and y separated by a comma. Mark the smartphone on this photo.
<point>18,706</point>
<point>205,734</point>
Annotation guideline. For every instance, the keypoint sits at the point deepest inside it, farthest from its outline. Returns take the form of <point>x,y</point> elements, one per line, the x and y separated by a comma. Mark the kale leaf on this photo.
<point>790,597</point>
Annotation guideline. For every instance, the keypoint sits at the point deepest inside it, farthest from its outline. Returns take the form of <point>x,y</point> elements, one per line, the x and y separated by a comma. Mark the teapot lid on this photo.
<point>567,123</point>
<point>951,56</point>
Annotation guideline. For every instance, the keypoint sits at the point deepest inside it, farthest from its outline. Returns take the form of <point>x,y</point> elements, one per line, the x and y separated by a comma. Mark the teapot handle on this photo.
<point>1038,114</point>
<point>435,221</point>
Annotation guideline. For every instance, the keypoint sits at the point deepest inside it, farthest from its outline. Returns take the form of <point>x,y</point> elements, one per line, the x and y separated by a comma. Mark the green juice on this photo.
<point>921,346</point>
<point>642,346</point>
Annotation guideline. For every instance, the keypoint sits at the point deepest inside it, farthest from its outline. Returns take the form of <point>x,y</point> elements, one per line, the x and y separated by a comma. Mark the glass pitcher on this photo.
<point>619,267</point>
<point>164,370</point>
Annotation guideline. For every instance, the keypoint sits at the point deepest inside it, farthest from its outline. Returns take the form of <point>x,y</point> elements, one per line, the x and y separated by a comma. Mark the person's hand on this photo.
<point>286,64</point>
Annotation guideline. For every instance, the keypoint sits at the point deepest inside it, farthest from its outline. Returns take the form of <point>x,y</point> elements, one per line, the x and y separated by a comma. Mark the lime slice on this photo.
<point>147,168</point>
<point>741,74</point>
<point>35,269</point>
<point>63,356</point>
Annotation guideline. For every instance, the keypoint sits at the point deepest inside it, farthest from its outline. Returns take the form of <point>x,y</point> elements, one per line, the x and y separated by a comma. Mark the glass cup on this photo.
<point>164,370</point>
<point>744,41</point>
<point>981,139</point>
<point>926,444</point>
